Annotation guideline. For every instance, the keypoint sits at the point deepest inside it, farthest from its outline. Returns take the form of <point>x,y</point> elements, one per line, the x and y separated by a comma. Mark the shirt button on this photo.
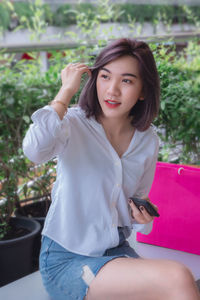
<point>118,184</point>
<point>117,163</point>
<point>113,225</point>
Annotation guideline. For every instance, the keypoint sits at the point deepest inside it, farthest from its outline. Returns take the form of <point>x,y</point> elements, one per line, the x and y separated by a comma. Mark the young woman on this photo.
<point>107,152</point>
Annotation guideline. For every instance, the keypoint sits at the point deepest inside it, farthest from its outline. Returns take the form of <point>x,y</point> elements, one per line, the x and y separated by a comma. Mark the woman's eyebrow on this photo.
<point>129,74</point>
<point>104,69</point>
<point>124,74</point>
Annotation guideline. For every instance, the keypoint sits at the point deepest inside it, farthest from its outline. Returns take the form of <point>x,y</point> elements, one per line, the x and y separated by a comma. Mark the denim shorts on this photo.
<point>67,275</point>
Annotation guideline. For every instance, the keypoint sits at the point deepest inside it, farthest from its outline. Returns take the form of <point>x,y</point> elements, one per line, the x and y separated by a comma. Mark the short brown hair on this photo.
<point>143,112</point>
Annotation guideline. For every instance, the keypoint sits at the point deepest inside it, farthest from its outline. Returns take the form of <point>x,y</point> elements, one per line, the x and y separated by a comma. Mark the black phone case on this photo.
<point>141,202</point>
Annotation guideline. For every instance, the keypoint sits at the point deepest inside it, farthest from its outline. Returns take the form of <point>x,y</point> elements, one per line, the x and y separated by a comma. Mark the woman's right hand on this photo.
<point>71,77</point>
<point>71,80</point>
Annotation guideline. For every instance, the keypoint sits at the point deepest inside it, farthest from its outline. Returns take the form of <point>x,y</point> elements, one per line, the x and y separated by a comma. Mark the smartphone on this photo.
<point>141,202</point>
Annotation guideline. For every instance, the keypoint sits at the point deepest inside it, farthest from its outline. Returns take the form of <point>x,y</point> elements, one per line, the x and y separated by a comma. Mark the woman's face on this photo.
<point>119,87</point>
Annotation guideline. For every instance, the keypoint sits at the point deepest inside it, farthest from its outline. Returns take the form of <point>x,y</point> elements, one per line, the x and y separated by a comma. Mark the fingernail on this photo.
<point>129,201</point>
<point>141,207</point>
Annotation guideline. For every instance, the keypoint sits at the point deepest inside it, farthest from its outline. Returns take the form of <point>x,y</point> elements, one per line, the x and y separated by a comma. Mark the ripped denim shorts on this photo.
<point>67,275</point>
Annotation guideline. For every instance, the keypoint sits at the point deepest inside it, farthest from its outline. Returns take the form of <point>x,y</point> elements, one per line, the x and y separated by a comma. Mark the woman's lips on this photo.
<point>112,103</point>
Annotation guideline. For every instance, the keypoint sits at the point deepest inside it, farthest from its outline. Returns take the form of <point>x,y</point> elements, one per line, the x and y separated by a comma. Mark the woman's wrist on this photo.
<point>64,106</point>
<point>61,101</point>
<point>64,95</point>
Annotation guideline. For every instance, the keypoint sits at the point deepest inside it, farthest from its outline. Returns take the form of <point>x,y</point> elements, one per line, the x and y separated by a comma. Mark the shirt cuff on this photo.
<point>143,228</point>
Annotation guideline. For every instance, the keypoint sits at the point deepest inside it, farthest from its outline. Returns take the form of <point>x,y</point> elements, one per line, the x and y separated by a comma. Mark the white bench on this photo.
<point>27,288</point>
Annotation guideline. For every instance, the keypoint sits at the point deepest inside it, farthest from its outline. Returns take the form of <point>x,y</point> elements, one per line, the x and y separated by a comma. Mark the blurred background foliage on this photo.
<point>106,11</point>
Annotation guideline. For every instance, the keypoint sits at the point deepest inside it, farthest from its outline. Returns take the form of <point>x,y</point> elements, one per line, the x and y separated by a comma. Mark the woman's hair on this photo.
<point>144,111</point>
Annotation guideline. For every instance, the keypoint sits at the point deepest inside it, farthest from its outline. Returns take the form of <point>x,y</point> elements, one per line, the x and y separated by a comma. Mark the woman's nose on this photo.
<point>113,89</point>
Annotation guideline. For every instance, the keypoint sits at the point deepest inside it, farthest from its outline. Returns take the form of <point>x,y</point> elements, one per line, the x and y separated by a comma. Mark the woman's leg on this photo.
<point>143,279</point>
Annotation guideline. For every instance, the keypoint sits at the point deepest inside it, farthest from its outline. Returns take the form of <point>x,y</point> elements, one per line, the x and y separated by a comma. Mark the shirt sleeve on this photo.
<point>46,137</point>
<point>149,171</point>
<point>145,186</point>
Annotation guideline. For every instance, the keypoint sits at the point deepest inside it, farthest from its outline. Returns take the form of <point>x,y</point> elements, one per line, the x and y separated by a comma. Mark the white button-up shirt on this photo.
<point>90,194</point>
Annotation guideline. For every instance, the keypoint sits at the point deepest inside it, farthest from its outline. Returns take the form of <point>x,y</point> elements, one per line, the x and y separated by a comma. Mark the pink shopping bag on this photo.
<point>176,192</point>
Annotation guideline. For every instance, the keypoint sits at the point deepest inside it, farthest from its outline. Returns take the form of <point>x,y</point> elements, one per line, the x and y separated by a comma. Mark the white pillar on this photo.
<point>44,60</point>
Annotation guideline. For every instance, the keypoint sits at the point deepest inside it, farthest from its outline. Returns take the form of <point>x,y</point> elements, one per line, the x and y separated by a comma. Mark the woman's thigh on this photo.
<point>129,278</point>
<point>67,275</point>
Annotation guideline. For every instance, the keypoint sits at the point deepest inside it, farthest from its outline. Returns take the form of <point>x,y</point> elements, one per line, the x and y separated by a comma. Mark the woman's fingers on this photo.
<point>148,199</point>
<point>146,215</point>
<point>140,215</point>
<point>84,69</point>
<point>79,67</point>
<point>136,213</point>
<point>71,76</point>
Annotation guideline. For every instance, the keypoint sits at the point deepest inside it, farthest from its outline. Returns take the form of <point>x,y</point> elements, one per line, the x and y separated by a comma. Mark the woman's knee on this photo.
<point>180,272</point>
<point>177,275</point>
<point>183,275</point>
<point>182,283</point>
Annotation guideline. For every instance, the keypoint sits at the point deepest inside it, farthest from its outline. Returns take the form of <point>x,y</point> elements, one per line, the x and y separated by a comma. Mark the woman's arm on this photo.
<point>46,137</point>
<point>48,134</point>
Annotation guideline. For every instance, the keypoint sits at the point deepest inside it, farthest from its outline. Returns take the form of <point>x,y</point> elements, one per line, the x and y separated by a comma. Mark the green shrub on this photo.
<point>149,13</point>
<point>65,15</point>
<point>105,11</point>
<point>4,16</point>
<point>26,10</point>
<point>180,101</point>
<point>23,9</point>
<point>86,8</point>
<point>48,14</point>
<point>22,90</point>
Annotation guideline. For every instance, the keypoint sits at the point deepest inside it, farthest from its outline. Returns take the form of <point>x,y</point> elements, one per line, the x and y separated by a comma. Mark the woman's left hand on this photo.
<point>141,215</point>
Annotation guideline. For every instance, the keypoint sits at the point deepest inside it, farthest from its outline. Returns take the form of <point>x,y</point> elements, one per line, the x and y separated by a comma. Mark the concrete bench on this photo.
<point>27,288</point>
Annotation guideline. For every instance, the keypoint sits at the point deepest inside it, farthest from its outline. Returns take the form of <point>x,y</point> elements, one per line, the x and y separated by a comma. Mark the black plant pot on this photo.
<point>16,254</point>
<point>28,211</point>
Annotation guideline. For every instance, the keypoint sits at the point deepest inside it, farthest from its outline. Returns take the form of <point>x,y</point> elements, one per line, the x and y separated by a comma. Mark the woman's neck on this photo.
<point>115,126</point>
<point>118,133</point>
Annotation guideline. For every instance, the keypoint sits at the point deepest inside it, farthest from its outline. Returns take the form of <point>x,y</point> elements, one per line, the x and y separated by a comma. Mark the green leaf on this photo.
<point>26,119</point>
<point>162,105</point>
<point>10,100</point>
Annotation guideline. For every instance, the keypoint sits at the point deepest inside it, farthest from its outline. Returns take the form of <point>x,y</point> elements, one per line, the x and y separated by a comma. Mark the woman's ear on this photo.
<point>141,98</point>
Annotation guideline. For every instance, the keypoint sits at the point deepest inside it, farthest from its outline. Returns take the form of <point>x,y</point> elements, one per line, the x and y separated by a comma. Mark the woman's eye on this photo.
<point>104,76</point>
<point>127,81</point>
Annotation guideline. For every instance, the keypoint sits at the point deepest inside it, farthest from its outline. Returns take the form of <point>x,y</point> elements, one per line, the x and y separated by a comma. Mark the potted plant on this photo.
<point>17,235</point>
<point>16,249</point>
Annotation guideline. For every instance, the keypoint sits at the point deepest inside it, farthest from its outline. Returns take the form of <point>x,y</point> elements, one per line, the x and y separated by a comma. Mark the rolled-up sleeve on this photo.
<point>143,228</point>
<point>46,137</point>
